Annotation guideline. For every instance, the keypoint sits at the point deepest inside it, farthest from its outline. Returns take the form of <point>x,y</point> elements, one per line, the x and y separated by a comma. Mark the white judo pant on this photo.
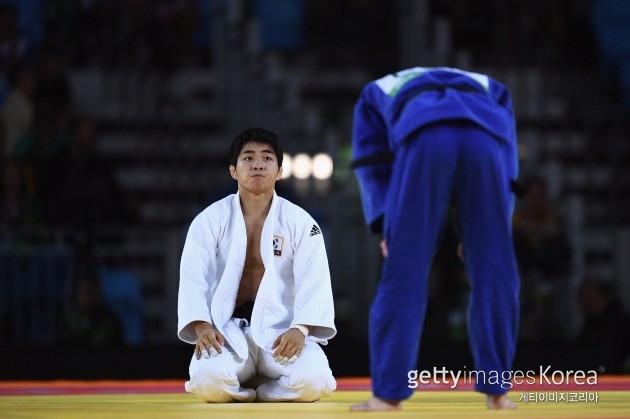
<point>226,378</point>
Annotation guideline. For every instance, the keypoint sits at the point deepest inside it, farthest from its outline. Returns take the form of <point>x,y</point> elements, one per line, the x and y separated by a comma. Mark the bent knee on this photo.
<point>211,389</point>
<point>210,370</point>
<point>313,384</point>
<point>211,382</point>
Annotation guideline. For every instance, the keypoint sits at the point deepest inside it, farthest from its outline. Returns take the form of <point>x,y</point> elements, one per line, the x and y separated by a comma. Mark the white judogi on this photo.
<point>295,289</point>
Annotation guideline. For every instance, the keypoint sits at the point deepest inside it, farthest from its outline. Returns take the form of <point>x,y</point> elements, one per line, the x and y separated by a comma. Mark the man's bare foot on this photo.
<point>499,401</point>
<point>376,404</point>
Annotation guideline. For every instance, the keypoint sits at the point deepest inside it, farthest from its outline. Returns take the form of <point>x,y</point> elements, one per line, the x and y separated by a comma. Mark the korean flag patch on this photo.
<point>278,241</point>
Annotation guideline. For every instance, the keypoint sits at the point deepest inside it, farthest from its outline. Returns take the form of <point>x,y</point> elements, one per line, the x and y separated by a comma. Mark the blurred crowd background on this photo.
<point>116,116</point>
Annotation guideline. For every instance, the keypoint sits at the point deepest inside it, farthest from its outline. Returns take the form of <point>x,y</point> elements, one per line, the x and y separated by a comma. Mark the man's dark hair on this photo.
<point>256,135</point>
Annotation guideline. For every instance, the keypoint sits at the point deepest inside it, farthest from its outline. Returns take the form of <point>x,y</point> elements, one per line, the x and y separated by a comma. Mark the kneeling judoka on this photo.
<point>255,296</point>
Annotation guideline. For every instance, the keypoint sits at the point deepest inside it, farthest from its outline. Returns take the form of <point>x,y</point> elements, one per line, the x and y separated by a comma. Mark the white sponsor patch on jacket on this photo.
<point>392,83</point>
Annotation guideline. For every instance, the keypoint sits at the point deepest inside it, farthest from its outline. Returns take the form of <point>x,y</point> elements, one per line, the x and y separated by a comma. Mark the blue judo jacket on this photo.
<point>392,109</point>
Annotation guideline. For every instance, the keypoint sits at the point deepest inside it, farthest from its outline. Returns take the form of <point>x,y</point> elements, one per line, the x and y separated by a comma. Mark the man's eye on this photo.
<point>269,158</point>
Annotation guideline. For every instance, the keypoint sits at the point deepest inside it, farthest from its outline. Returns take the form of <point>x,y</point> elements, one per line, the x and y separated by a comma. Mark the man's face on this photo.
<point>256,168</point>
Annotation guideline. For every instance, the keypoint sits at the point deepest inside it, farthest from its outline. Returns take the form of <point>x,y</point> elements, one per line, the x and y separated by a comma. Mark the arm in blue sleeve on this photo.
<point>372,160</point>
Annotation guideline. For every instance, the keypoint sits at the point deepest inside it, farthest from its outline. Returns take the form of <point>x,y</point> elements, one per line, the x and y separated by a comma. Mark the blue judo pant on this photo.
<point>445,162</point>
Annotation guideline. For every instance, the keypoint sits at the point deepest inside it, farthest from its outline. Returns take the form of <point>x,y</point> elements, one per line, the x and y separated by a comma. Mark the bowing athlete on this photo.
<point>423,138</point>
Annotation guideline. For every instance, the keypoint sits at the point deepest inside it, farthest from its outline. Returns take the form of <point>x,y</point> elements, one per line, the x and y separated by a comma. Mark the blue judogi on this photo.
<point>423,138</point>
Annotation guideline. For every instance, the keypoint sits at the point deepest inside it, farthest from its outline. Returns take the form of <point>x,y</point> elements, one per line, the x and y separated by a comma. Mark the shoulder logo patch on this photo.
<point>315,230</point>
<point>278,241</point>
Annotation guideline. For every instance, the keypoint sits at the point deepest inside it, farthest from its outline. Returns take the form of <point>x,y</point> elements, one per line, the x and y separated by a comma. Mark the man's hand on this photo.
<point>383,245</point>
<point>288,346</point>
<point>209,339</point>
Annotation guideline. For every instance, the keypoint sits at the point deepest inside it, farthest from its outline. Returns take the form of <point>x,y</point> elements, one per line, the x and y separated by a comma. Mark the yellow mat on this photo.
<point>428,404</point>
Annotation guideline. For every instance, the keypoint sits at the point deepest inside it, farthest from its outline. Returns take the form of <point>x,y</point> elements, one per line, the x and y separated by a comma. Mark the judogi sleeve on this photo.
<point>372,159</point>
<point>314,304</point>
<point>504,99</point>
<point>197,273</point>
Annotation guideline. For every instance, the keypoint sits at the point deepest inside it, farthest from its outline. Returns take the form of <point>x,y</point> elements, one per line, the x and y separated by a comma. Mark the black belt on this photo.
<point>435,88</point>
<point>376,158</point>
<point>244,311</point>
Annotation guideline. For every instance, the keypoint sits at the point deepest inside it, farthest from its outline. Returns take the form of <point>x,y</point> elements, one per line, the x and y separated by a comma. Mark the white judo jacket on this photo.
<point>295,288</point>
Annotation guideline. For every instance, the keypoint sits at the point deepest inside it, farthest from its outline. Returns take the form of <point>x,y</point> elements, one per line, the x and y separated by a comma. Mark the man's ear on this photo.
<point>279,173</point>
<point>233,172</point>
